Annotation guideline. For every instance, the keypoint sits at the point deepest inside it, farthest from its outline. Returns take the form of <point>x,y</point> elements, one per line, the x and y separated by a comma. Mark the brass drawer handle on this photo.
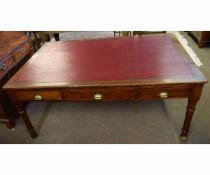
<point>22,50</point>
<point>163,94</point>
<point>38,97</point>
<point>98,96</point>
<point>3,66</point>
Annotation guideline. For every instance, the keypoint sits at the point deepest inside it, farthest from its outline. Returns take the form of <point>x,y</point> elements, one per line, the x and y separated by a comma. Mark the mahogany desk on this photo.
<point>127,68</point>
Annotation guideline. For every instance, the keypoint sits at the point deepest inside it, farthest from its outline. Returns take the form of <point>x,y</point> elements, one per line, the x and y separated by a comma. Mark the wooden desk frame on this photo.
<point>142,89</point>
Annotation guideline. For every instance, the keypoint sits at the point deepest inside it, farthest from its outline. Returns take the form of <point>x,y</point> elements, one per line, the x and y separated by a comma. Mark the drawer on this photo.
<point>106,94</point>
<point>31,95</point>
<point>164,92</point>
<point>21,51</point>
<point>5,65</point>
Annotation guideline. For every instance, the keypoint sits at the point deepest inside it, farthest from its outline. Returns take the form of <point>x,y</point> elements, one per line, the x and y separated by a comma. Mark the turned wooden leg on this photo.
<point>24,116</point>
<point>47,37</point>
<point>10,124</point>
<point>188,118</point>
<point>192,101</point>
<point>56,35</point>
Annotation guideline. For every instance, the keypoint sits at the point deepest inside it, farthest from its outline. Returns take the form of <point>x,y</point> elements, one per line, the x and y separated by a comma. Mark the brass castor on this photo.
<point>182,138</point>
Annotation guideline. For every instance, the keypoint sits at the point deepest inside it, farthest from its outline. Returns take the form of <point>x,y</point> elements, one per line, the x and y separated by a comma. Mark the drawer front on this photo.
<point>6,65</point>
<point>106,94</point>
<point>38,95</point>
<point>21,51</point>
<point>165,92</point>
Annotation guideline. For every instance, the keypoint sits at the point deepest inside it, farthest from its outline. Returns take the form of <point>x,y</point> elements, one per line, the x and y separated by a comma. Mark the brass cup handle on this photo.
<point>98,96</point>
<point>163,94</point>
<point>38,97</point>
<point>22,50</point>
<point>3,66</point>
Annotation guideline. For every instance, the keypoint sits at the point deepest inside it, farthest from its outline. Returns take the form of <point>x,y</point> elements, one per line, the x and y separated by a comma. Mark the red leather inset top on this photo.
<point>126,58</point>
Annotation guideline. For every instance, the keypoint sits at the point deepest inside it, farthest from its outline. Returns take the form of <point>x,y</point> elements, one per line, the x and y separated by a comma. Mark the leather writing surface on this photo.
<point>128,58</point>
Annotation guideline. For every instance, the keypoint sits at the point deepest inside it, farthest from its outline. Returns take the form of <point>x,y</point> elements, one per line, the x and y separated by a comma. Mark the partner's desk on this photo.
<point>127,68</point>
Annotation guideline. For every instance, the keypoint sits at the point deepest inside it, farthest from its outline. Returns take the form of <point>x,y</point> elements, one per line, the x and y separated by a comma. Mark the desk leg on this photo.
<point>21,110</point>
<point>192,101</point>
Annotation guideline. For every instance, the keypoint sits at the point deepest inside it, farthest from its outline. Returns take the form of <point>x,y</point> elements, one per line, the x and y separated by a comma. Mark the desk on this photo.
<point>127,68</point>
<point>15,50</point>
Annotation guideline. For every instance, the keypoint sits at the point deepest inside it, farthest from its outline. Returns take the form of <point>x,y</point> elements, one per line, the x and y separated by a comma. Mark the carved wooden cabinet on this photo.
<point>15,50</point>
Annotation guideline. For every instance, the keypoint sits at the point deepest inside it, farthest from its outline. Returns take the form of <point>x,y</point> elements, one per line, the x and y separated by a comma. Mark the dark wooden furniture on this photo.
<point>122,68</point>
<point>116,32</point>
<point>56,36</point>
<point>39,38</point>
<point>148,32</point>
<point>201,37</point>
<point>15,49</point>
<point>132,33</point>
<point>34,40</point>
<point>123,33</point>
